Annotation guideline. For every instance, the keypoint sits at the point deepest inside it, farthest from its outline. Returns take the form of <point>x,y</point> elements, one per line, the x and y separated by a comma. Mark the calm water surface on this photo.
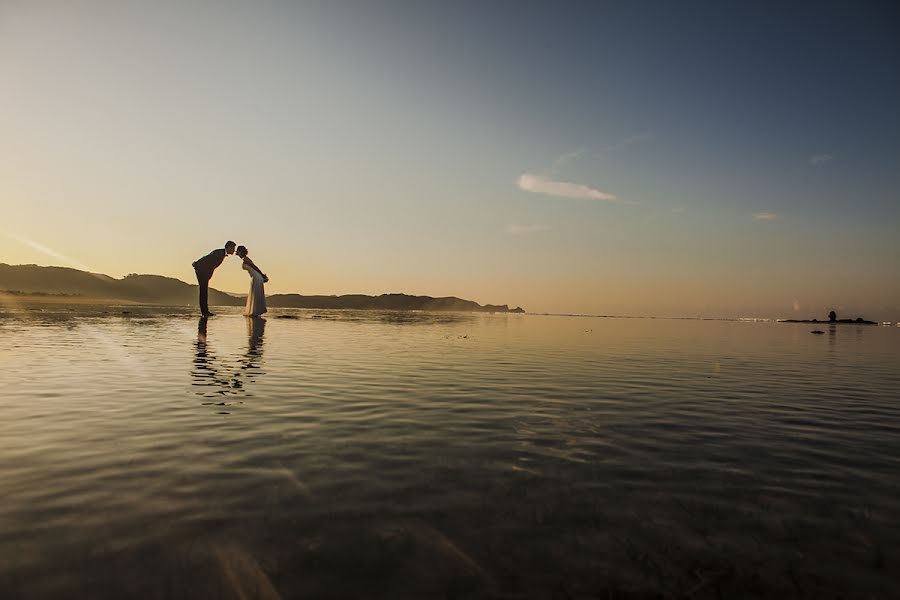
<point>399,455</point>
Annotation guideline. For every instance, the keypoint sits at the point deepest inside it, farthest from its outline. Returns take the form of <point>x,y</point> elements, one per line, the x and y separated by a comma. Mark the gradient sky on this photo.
<point>665,158</point>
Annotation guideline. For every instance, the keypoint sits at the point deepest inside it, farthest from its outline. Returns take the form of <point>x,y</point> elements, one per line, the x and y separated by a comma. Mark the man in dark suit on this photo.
<point>204,268</point>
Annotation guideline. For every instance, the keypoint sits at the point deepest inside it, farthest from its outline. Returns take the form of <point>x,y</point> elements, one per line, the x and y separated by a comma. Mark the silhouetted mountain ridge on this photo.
<point>157,289</point>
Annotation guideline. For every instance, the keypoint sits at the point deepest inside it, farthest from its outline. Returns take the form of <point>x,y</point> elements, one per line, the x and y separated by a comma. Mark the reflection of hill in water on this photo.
<point>393,317</point>
<point>156,289</point>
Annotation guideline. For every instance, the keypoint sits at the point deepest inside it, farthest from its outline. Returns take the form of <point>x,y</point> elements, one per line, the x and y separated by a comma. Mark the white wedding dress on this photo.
<point>256,299</point>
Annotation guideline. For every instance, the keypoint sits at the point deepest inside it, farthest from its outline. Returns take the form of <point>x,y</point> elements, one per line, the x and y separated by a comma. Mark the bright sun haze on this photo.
<point>597,158</point>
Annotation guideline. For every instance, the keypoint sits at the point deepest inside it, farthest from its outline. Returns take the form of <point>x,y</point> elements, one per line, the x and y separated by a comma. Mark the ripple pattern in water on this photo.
<point>338,454</point>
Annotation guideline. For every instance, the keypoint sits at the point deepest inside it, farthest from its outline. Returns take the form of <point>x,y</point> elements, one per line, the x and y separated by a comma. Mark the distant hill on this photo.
<point>156,289</point>
<point>149,289</point>
<point>384,302</point>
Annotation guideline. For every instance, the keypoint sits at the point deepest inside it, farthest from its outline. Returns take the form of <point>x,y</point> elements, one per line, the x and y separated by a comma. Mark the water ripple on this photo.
<point>382,454</point>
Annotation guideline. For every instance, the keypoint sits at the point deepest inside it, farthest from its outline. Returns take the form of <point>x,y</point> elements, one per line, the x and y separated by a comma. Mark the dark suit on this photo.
<point>204,268</point>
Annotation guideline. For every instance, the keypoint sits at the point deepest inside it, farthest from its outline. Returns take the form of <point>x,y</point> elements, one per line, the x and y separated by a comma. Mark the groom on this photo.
<point>204,268</point>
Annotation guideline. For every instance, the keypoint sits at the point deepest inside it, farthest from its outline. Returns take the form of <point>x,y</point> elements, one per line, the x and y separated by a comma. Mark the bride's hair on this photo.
<point>241,251</point>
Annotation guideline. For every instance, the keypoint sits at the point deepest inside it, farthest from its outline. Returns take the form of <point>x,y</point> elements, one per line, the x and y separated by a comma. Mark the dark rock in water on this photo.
<point>287,317</point>
<point>858,321</point>
<point>817,331</point>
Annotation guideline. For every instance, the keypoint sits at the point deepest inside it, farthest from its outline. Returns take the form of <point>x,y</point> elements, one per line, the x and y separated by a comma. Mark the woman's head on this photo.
<point>241,251</point>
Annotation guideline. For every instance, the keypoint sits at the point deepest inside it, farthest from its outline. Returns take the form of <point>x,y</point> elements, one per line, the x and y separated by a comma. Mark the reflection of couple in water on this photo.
<point>204,268</point>
<point>227,380</point>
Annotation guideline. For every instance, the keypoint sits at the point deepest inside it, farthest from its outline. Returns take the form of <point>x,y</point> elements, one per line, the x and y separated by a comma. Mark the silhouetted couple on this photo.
<point>204,268</point>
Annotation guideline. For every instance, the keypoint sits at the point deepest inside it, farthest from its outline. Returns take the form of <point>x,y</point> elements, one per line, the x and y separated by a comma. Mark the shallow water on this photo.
<point>342,454</point>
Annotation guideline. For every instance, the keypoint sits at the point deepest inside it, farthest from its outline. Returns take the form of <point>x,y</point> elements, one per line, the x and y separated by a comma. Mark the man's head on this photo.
<point>229,247</point>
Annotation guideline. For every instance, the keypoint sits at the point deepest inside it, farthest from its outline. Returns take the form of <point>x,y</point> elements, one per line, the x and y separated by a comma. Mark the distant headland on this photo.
<point>63,284</point>
<point>832,318</point>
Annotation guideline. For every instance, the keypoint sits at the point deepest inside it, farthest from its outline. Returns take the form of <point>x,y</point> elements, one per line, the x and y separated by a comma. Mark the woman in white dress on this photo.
<point>256,299</point>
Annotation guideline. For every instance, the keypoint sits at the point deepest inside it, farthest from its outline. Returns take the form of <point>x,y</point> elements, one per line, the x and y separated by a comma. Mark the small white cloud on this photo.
<point>765,216</point>
<point>539,184</point>
<point>525,229</point>
<point>820,159</point>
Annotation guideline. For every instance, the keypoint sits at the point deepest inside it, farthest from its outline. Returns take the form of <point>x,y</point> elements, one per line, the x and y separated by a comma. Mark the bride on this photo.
<point>256,299</point>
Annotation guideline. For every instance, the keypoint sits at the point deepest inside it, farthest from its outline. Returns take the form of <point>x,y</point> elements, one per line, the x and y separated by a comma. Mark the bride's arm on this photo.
<point>253,266</point>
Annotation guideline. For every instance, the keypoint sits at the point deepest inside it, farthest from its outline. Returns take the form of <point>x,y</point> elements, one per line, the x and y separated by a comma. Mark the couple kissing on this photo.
<point>205,266</point>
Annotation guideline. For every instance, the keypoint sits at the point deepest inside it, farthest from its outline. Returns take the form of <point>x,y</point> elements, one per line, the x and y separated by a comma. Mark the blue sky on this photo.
<point>691,158</point>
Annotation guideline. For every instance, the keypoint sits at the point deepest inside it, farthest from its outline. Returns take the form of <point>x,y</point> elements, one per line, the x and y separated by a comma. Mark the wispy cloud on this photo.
<point>678,210</point>
<point>567,157</point>
<point>540,184</point>
<point>631,139</point>
<point>525,229</point>
<point>820,159</point>
<point>601,151</point>
<point>69,262</point>
<point>549,185</point>
<point>765,216</point>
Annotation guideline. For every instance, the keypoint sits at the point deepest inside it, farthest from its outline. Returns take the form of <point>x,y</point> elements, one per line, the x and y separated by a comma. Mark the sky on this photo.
<point>636,158</point>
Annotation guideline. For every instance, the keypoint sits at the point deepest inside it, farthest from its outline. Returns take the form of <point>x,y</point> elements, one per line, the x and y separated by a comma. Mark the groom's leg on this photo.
<point>204,297</point>
<point>203,283</point>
